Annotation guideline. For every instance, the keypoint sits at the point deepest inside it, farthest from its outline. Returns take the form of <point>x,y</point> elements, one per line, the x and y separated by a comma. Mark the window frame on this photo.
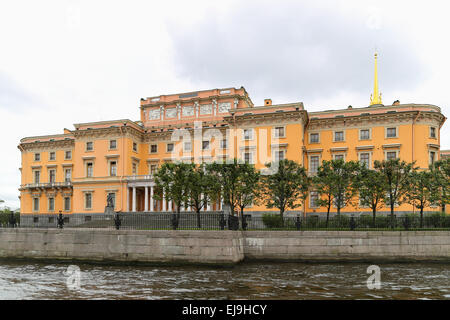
<point>110,144</point>
<point>370,134</point>
<point>89,143</point>
<point>156,148</point>
<point>310,136</point>
<point>339,131</point>
<point>386,132</point>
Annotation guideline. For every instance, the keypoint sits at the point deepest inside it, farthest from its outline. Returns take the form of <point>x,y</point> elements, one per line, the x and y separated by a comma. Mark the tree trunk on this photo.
<point>281,216</point>
<point>198,218</point>
<point>392,214</point>
<point>374,213</point>
<point>328,216</point>
<point>421,216</point>
<point>242,217</point>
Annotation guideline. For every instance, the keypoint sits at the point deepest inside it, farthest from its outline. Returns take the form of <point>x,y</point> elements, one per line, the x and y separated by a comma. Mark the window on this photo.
<point>51,176</point>
<point>391,155</point>
<point>37,176</point>
<point>52,156</point>
<point>188,146</point>
<point>51,204</point>
<point>68,175</point>
<point>113,144</point>
<point>339,136</point>
<point>153,168</point>
<point>205,145</point>
<point>89,169</point>
<point>153,148</point>
<point>313,199</point>
<point>135,169</point>
<point>279,132</point>
<point>248,134</point>
<point>432,157</point>
<point>37,157</point>
<point>313,138</point>
<point>223,143</point>
<point>89,146</point>
<point>313,164</point>
<point>339,157</point>
<point>68,155</point>
<point>364,158</point>
<point>35,204</point>
<point>391,132</point>
<point>432,132</point>
<point>248,157</point>
<point>364,134</point>
<point>134,146</point>
<point>66,203</point>
<point>279,155</point>
<point>169,147</point>
<point>113,196</point>
<point>88,200</point>
<point>113,168</point>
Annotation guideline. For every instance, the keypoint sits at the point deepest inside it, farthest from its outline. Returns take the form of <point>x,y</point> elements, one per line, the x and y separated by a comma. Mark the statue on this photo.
<point>109,209</point>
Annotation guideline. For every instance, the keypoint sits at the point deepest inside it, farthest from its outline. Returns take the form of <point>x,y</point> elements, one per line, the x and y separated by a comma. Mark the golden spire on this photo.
<point>375,98</point>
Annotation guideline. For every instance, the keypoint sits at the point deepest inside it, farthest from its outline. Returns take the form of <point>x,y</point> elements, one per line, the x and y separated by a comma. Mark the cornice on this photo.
<point>46,145</point>
<point>193,100</point>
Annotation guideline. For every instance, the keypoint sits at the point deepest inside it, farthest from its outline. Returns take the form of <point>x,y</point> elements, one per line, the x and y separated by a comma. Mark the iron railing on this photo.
<point>217,220</point>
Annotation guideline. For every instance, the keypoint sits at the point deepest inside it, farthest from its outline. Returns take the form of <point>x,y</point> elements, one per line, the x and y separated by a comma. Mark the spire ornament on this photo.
<point>375,98</point>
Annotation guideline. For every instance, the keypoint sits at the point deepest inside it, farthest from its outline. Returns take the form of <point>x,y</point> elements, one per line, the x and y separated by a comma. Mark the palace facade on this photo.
<point>74,172</point>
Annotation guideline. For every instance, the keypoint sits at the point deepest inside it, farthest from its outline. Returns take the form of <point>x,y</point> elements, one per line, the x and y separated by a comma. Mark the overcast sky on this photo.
<point>65,62</point>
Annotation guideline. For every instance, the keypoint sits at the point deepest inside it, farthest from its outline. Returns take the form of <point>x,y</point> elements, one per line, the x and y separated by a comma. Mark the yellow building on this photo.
<point>75,171</point>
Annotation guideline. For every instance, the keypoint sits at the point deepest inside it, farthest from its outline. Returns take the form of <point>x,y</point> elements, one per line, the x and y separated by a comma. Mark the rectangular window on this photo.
<point>313,138</point>
<point>35,204</point>
<point>37,157</point>
<point>113,168</point>
<point>134,146</point>
<point>391,132</point>
<point>51,204</point>
<point>279,155</point>
<point>153,168</point>
<point>169,147</point>
<point>68,155</point>
<point>432,132</point>
<point>338,157</point>
<point>68,175</point>
<point>89,169</point>
<point>89,146</point>
<point>247,157</point>
<point>113,144</point>
<point>88,201</point>
<point>52,156</point>
<point>51,176</point>
<point>205,145</point>
<point>313,199</point>
<point>66,203</point>
<point>135,169</point>
<point>432,157</point>
<point>37,176</point>
<point>279,132</point>
<point>153,148</point>
<point>223,143</point>
<point>364,134</point>
<point>113,196</point>
<point>339,136</point>
<point>248,134</point>
<point>187,146</point>
<point>364,158</point>
<point>313,164</point>
<point>391,155</point>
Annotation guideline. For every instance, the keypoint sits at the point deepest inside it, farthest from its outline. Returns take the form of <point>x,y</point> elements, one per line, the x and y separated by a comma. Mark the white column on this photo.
<point>151,199</point>
<point>163,202</point>
<point>134,199</point>
<point>170,205</point>
<point>128,199</point>
<point>146,199</point>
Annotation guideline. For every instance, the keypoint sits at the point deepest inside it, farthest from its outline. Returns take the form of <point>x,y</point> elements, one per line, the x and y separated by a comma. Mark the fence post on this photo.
<point>12,220</point>
<point>406,223</point>
<point>222,222</point>
<point>117,221</point>
<point>352,223</point>
<point>298,223</point>
<point>244,222</point>
<point>174,221</point>
<point>60,220</point>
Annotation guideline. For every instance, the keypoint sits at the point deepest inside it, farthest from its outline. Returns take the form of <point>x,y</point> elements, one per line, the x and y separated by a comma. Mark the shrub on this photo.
<point>272,221</point>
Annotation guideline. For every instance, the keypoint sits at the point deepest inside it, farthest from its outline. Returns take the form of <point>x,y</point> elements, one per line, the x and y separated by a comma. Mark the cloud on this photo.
<point>293,51</point>
<point>13,97</point>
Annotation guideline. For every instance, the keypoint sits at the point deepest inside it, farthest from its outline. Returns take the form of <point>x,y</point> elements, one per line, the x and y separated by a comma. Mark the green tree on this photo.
<point>395,174</point>
<point>371,189</point>
<point>421,187</point>
<point>173,180</point>
<point>226,181</point>
<point>440,171</point>
<point>285,186</point>
<point>247,187</point>
<point>198,189</point>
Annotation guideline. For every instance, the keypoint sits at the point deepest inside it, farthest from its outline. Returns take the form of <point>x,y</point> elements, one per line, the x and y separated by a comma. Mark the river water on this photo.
<point>25,280</point>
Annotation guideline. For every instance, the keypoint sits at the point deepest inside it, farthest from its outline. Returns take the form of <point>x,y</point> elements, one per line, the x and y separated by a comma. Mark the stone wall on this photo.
<point>222,247</point>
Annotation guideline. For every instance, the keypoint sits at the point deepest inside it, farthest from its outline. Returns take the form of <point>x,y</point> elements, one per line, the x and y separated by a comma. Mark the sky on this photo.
<point>65,62</point>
